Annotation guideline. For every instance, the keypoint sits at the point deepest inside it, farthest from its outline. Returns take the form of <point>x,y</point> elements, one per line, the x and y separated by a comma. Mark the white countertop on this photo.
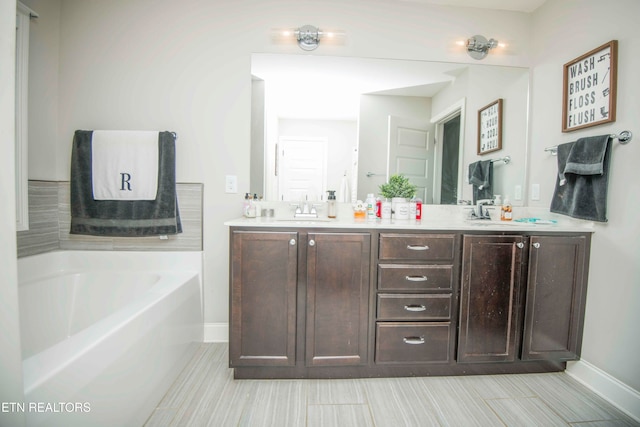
<point>434,217</point>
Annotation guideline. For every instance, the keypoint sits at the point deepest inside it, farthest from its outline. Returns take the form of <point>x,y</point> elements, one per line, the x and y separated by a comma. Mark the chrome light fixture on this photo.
<point>478,46</point>
<point>307,37</point>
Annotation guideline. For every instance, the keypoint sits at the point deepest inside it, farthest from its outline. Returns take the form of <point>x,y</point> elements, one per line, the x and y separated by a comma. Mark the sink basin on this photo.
<point>305,220</point>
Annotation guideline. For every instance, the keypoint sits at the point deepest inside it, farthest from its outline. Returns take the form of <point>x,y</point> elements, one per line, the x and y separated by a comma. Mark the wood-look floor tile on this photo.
<point>396,402</point>
<point>457,405</point>
<point>337,392</point>
<point>205,394</point>
<point>276,403</point>
<point>525,411</point>
<point>496,386</point>
<point>570,399</point>
<point>608,423</point>
<point>339,415</point>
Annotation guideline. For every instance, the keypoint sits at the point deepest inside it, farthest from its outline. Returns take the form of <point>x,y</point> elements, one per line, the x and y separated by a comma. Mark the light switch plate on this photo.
<point>231,184</point>
<point>535,192</point>
<point>518,193</point>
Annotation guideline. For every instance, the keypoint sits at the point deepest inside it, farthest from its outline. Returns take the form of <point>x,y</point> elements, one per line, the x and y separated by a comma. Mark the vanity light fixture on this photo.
<point>308,37</point>
<point>478,46</point>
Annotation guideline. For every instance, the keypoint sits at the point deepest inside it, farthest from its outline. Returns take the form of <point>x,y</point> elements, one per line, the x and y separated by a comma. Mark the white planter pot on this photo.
<point>400,208</point>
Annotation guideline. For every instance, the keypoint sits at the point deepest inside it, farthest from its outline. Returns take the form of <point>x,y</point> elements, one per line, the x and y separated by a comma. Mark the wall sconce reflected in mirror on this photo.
<point>478,46</point>
<point>308,37</point>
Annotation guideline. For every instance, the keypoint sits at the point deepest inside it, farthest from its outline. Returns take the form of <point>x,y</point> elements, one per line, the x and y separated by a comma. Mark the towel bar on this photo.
<point>623,138</point>
<point>505,159</point>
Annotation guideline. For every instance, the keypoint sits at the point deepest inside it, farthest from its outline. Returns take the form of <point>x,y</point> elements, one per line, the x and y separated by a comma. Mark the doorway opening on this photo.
<point>448,173</point>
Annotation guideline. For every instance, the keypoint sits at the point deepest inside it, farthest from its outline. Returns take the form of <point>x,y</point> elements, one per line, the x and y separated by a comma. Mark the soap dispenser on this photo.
<point>507,210</point>
<point>331,204</point>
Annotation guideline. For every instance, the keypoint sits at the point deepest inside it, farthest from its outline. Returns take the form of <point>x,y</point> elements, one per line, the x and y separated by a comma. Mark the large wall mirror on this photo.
<point>340,123</point>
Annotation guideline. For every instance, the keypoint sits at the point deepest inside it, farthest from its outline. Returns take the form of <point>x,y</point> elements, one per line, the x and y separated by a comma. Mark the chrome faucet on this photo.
<point>479,212</point>
<point>308,210</point>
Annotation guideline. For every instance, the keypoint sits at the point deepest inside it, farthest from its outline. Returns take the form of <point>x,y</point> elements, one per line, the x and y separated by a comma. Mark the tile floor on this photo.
<point>205,394</point>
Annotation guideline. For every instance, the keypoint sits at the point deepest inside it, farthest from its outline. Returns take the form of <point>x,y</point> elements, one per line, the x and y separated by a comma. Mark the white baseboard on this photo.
<point>618,393</point>
<point>216,332</point>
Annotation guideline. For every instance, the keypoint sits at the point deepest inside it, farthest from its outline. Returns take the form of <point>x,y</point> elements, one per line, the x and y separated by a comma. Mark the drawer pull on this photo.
<point>418,247</point>
<point>416,278</point>
<point>413,340</point>
<point>415,307</point>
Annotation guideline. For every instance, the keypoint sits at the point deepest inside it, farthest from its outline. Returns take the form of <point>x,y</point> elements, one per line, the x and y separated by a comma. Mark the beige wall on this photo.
<point>185,66</point>
<point>564,30</point>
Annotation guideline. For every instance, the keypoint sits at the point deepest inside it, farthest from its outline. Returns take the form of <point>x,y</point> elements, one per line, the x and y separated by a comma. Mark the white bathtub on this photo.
<point>104,334</point>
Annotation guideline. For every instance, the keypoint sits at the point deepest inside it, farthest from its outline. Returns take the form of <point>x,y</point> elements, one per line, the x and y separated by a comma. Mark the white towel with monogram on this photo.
<point>124,165</point>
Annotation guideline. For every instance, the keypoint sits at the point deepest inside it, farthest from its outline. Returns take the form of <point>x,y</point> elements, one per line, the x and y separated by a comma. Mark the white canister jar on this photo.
<point>386,209</point>
<point>401,209</point>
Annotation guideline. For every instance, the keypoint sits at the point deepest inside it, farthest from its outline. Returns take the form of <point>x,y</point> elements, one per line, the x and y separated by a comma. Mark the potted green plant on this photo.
<point>399,190</point>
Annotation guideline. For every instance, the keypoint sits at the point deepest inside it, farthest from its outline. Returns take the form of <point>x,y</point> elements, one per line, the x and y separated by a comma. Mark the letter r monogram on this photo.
<point>125,181</point>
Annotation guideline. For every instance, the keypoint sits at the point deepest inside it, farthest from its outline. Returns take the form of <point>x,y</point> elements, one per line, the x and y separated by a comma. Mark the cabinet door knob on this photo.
<point>417,247</point>
<point>520,245</point>
<point>292,242</point>
<point>413,340</point>
<point>312,242</point>
<point>415,307</point>
<point>536,245</point>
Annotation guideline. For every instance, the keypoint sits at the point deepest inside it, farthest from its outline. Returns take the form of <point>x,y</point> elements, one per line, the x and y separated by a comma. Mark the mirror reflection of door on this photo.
<point>450,155</point>
<point>302,171</point>
<point>409,153</point>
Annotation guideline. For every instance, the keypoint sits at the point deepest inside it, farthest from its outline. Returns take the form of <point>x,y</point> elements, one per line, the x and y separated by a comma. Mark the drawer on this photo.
<point>401,277</point>
<point>426,247</point>
<point>414,307</point>
<point>419,342</point>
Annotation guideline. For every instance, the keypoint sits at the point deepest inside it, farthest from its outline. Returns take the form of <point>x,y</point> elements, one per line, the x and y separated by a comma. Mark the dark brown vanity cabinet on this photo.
<point>345,303</point>
<point>522,297</point>
<point>555,298</point>
<point>416,298</point>
<point>263,298</point>
<point>299,298</point>
<point>337,299</point>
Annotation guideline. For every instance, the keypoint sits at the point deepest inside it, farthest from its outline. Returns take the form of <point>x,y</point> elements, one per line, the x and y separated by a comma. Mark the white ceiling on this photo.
<point>513,5</point>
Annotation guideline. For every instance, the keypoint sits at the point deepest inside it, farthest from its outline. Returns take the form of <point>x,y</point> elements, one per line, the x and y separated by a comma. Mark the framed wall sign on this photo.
<point>589,88</point>
<point>490,127</point>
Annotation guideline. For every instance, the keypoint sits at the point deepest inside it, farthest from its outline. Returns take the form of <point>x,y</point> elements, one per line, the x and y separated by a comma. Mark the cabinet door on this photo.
<point>556,291</point>
<point>263,298</point>
<point>490,298</point>
<point>337,298</point>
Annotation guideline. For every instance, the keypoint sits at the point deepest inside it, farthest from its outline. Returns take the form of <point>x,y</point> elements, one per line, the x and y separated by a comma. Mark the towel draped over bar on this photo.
<point>582,178</point>
<point>124,218</point>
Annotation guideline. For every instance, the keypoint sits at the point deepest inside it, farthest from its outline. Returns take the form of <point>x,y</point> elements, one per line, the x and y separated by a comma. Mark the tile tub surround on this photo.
<point>50,218</point>
<point>206,394</point>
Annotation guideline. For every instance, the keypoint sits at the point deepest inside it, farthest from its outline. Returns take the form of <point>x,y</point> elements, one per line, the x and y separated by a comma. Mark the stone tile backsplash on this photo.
<point>50,218</point>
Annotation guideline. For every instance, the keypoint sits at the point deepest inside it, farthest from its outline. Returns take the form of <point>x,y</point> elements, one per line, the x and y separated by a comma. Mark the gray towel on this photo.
<point>582,196</point>
<point>119,217</point>
<point>481,178</point>
<point>587,156</point>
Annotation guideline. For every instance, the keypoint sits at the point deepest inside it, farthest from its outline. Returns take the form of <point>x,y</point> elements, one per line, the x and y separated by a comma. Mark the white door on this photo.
<point>302,171</point>
<point>410,153</point>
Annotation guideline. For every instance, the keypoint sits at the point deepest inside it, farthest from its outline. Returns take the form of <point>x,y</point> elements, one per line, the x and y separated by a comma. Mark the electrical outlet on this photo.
<point>535,192</point>
<point>231,184</point>
<point>518,193</point>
